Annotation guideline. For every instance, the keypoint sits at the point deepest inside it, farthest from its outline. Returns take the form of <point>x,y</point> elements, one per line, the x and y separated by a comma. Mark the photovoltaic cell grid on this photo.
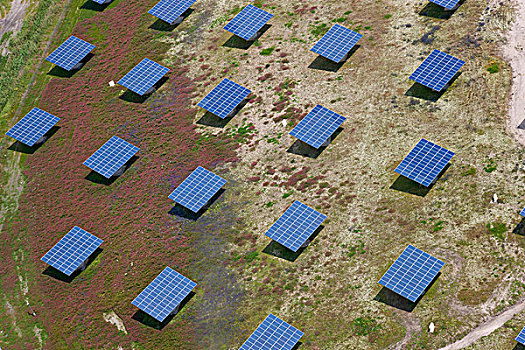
<point>437,70</point>
<point>143,76</point>
<point>72,250</point>
<point>448,4</point>
<point>32,126</point>
<point>295,226</point>
<point>198,188</point>
<point>335,44</point>
<point>164,294</point>
<point>111,156</point>
<point>424,162</point>
<point>224,98</point>
<point>71,52</point>
<point>317,126</point>
<point>521,337</point>
<point>248,22</point>
<point>274,334</point>
<point>170,10</point>
<point>411,273</point>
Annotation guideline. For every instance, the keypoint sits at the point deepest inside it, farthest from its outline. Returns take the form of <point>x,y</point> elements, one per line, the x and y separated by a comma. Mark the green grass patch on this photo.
<point>268,51</point>
<point>490,165</point>
<point>493,68</point>
<point>365,325</point>
<point>497,229</point>
<point>319,30</point>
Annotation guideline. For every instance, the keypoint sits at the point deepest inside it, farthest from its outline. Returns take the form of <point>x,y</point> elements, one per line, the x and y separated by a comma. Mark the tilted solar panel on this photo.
<point>70,53</point>
<point>295,226</point>
<point>448,4</point>
<point>170,10</point>
<point>101,2</point>
<point>437,70</point>
<point>33,126</point>
<point>72,250</point>
<point>521,337</point>
<point>273,333</point>
<point>411,273</point>
<point>317,126</point>
<point>143,76</point>
<point>162,296</point>
<point>224,98</point>
<point>522,213</point>
<point>336,44</point>
<point>248,22</point>
<point>111,156</point>
<point>424,162</point>
<point>197,189</point>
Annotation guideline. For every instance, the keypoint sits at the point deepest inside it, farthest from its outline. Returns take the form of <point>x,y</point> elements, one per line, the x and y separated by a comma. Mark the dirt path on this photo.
<point>13,21</point>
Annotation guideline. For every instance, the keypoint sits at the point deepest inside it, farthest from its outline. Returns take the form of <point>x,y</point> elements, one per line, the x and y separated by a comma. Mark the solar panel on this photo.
<point>274,334</point>
<point>72,250</point>
<point>101,2</point>
<point>521,337</point>
<point>170,10</point>
<point>424,162</point>
<point>162,296</point>
<point>198,188</point>
<point>224,98</point>
<point>111,156</point>
<point>143,76</point>
<point>33,126</point>
<point>437,70</point>
<point>295,226</point>
<point>317,126</point>
<point>522,213</point>
<point>448,4</point>
<point>411,273</point>
<point>248,22</point>
<point>336,44</point>
<point>70,53</point>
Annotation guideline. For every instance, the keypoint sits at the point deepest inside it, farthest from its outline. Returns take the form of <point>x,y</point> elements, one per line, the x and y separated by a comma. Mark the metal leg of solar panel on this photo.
<point>82,266</point>
<point>306,243</point>
<point>78,65</point>
<point>174,312</point>
<point>327,142</point>
<point>120,171</point>
<point>177,21</point>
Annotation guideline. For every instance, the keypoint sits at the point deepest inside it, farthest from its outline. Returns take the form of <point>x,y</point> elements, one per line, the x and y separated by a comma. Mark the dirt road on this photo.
<point>13,21</point>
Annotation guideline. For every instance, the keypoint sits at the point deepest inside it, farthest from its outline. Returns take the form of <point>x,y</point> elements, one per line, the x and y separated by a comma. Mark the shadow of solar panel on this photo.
<point>143,76</point>
<point>273,333</point>
<point>448,4</point>
<point>521,337</point>
<point>437,70</point>
<point>295,226</point>
<point>72,250</point>
<point>411,273</point>
<point>424,162</point>
<point>248,22</point>
<point>70,53</point>
<point>162,296</point>
<point>33,126</point>
<point>317,127</point>
<point>337,43</point>
<point>197,189</point>
<point>224,98</point>
<point>111,156</point>
<point>170,10</point>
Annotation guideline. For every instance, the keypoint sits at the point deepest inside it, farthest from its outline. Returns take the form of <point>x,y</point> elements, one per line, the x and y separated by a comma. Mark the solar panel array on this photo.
<point>448,4</point>
<point>72,250</point>
<point>248,22</point>
<point>170,10</point>
<point>224,98</point>
<point>411,273</point>
<point>70,53</point>
<point>32,126</point>
<point>521,337</point>
<point>317,126</point>
<point>424,162</point>
<point>437,70</point>
<point>295,226</point>
<point>143,76</point>
<point>164,294</point>
<point>198,188</point>
<point>111,156</point>
<point>336,44</point>
<point>274,334</point>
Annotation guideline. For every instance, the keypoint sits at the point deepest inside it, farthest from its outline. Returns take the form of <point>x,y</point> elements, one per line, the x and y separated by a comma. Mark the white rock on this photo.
<point>495,199</point>
<point>431,327</point>
<point>112,83</point>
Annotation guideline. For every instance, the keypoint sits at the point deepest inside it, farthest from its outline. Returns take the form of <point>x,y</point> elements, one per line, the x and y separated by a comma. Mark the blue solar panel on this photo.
<point>424,162</point>
<point>162,296</point>
<point>273,334</point>
<point>224,98</point>
<point>70,53</point>
<point>32,126</point>
<point>111,156</point>
<point>72,250</point>
<point>411,273</point>
<point>248,22</point>
<point>336,44</point>
<point>143,76</point>
<point>101,2</point>
<point>198,188</point>
<point>448,4</point>
<point>317,126</point>
<point>437,70</point>
<point>295,226</point>
<point>170,10</point>
<point>521,337</point>
<point>522,212</point>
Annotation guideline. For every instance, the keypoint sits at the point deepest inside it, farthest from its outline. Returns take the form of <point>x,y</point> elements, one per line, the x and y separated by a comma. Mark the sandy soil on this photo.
<point>13,21</point>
